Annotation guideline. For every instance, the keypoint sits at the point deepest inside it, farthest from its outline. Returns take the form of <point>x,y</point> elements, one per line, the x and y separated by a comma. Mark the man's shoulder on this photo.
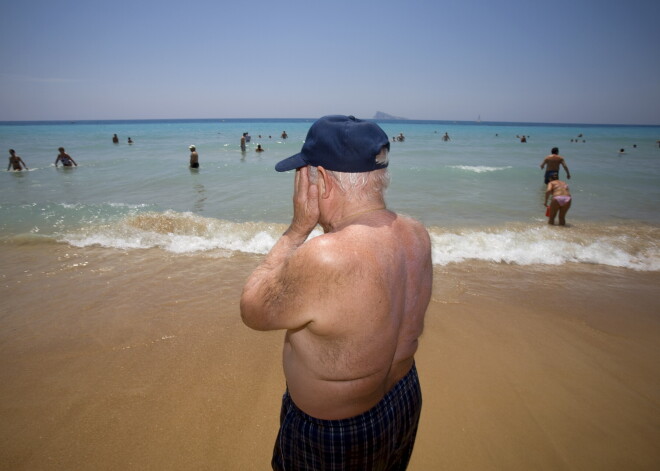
<point>326,250</point>
<point>414,226</point>
<point>334,255</point>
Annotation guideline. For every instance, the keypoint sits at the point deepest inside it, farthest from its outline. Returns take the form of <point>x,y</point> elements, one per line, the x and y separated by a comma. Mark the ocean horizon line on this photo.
<point>302,120</point>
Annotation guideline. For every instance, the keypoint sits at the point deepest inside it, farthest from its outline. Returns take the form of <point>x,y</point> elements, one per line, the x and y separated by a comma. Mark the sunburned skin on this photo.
<point>352,300</point>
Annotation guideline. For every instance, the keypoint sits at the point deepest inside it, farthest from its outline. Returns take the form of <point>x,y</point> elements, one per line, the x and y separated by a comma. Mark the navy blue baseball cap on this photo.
<point>342,144</point>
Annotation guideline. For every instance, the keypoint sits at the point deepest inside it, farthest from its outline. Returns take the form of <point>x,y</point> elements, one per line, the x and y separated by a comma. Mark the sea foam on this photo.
<point>478,168</point>
<point>179,233</point>
<point>529,245</point>
<point>520,244</point>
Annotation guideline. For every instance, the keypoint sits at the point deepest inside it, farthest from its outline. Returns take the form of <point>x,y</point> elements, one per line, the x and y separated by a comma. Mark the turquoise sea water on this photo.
<point>480,194</point>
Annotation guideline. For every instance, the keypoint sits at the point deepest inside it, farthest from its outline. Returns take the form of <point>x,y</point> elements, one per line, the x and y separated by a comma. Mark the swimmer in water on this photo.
<point>15,161</point>
<point>66,159</point>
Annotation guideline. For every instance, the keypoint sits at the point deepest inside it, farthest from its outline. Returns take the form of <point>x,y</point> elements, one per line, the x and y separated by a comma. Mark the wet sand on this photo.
<point>113,360</point>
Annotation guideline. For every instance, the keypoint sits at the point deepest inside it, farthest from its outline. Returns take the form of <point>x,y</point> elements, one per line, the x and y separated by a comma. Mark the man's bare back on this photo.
<point>372,284</point>
<point>552,163</point>
<point>352,302</point>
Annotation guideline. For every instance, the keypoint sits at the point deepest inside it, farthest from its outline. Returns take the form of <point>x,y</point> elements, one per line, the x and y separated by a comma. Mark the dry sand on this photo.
<point>114,360</point>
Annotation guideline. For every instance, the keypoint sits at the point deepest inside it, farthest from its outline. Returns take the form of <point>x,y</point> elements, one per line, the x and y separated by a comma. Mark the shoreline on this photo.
<point>395,120</point>
<point>115,359</point>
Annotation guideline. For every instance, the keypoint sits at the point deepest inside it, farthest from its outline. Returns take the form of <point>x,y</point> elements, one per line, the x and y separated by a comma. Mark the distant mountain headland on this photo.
<point>381,115</point>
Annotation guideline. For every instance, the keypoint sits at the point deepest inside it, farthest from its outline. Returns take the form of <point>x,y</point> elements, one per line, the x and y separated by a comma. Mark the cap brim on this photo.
<point>291,163</point>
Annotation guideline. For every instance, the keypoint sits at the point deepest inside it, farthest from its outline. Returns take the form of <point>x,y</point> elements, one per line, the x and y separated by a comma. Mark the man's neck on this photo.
<point>352,213</point>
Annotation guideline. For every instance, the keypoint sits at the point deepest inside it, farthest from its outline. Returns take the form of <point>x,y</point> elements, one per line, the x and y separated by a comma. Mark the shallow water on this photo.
<point>480,194</point>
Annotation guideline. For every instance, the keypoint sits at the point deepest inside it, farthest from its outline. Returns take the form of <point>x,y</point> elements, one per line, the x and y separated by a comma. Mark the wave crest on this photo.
<point>627,246</point>
<point>630,247</point>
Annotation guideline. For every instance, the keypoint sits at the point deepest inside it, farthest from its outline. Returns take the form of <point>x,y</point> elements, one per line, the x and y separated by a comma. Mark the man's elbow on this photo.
<point>247,311</point>
<point>252,315</point>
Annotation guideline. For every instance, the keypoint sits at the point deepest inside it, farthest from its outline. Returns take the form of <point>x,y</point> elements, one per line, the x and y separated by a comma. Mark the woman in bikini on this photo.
<point>561,200</point>
<point>15,161</point>
<point>66,159</point>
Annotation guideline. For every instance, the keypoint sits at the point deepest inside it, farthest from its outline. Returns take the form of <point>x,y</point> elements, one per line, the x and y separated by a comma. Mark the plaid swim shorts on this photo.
<point>382,438</point>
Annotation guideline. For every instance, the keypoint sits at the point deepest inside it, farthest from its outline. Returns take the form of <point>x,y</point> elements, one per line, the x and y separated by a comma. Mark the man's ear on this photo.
<point>325,183</point>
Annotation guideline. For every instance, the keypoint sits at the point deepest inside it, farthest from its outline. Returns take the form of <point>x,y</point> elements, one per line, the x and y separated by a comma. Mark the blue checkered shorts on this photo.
<point>380,439</point>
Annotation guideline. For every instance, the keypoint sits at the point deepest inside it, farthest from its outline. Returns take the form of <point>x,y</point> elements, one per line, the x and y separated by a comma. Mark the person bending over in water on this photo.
<point>561,200</point>
<point>15,161</point>
<point>65,158</point>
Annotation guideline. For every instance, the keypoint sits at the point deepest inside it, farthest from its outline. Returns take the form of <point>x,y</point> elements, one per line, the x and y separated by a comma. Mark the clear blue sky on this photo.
<point>582,61</point>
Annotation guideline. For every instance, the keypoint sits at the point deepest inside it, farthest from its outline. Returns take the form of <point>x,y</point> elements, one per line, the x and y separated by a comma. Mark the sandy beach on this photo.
<point>116,360</point>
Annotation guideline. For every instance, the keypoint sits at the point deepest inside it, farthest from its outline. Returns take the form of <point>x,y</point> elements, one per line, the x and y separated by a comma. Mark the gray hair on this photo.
<point>360,185</point>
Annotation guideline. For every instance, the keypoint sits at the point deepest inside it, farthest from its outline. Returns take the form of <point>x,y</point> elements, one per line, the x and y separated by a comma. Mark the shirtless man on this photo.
<point>352,302</point>
<point>15,161</point>
<point>561,200</point>
<point>65,158</point>
<point>553,161</point>
<point>194,158</point>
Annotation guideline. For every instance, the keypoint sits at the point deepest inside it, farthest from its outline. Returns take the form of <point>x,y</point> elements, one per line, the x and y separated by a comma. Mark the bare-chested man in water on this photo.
<point>553,161</point>
<point>352,302</point>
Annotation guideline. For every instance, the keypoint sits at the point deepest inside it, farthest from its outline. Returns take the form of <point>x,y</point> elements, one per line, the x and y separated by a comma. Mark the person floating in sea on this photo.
<point>553,161</point>
<point>243,142</point>
<point>66,159</point>
<point>523,139</point>
<point>130,141</point>
<point>284,135</point>
<point>400,137</point>
<point>446,137</point>
<point>194,157</point>
<point>115,139</point>
<point>259,148</point>
<point>352,301</point>
<point>15,161</point>
<point>561,200</point>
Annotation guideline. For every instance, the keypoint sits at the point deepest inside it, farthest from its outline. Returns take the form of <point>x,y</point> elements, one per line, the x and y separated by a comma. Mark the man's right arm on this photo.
<point>266,301</point>
<point>568,174</point>
<point>273,294</point>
